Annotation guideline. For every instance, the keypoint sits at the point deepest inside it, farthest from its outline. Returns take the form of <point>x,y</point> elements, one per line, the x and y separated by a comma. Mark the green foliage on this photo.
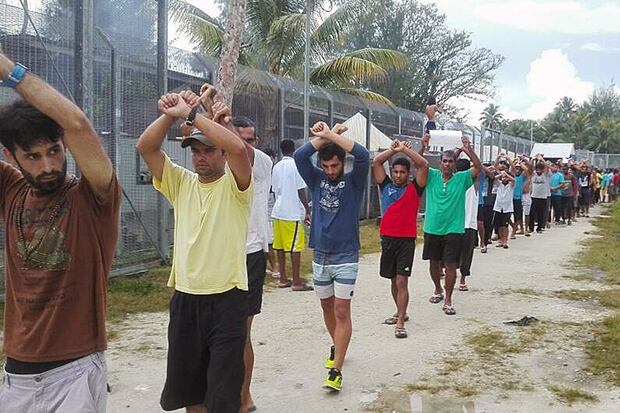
<point>593,125</point>
<point>274,41</point>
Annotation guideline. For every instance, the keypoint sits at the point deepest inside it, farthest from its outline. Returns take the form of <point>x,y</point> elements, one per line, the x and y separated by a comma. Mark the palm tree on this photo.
<point>491,117</point>
<point>274,42</point>
<point>580,128</point>
<point>231,44</point>
<point>567,107</point>
<point>606,138</point>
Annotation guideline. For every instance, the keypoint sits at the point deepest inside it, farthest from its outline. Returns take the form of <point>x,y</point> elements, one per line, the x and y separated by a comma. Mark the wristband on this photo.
<point>16,75</point>
<point>191,116</point>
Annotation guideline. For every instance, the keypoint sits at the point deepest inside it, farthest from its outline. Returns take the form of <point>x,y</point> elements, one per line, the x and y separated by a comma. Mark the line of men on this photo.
<point>61,232</point>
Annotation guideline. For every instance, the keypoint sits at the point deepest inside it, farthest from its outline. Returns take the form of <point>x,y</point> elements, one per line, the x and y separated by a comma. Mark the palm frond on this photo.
<point>284,41</point>
<point>366,94</point>
<point>347,70</point>
<point>331,31</point>
<point>386,58</point>
<point>203,30</point>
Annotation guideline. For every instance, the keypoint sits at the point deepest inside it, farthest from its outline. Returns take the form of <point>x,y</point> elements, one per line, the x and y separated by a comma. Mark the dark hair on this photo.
<point>330,150</point>
<point>24,126</point>
<point>402,161</point>
<point>287,147</point>
<point>539,165</point>
<point>431,101</point>
<point>462,164</point>
<point>449,153</point>
<point>244,122</point>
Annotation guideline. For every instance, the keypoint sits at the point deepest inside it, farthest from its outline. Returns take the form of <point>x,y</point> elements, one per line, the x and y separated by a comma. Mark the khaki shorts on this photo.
<point>80,386</point>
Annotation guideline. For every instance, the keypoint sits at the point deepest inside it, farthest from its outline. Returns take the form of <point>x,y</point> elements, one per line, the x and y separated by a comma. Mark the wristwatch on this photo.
<point>15,76</point>
<point>191,116</point>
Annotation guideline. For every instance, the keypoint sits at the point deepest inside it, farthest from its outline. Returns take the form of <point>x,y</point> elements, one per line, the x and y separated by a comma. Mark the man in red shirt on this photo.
<point>399,205</point>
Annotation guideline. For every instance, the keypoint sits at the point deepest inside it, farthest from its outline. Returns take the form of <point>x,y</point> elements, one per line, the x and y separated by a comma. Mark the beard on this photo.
<point>46,183</point>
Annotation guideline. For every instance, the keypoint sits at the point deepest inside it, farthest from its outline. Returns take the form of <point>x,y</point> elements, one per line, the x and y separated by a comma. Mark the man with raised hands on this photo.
<point>208,311</point>
<point>334,233</point>
<point>399,207</point>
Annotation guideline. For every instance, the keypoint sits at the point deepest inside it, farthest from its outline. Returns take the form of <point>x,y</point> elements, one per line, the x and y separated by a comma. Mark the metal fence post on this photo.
<point>83,50</point>
<point>162,87</point>
<point>368,186</point>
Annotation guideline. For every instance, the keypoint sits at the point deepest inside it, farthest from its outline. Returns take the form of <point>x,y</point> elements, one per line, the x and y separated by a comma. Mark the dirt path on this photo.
<point>512,375</point>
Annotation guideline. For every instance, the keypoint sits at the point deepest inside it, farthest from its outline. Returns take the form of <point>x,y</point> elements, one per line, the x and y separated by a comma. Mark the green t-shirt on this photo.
<point>445,203</point>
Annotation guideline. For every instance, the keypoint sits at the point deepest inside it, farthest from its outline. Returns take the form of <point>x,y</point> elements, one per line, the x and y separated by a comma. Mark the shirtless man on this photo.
<point>431,111</point>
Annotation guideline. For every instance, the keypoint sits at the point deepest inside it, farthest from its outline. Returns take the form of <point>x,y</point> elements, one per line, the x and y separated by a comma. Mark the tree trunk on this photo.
<point>230,54</point>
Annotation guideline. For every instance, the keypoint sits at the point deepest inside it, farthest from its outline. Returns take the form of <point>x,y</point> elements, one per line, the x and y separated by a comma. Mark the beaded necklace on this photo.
<point>26,249</point>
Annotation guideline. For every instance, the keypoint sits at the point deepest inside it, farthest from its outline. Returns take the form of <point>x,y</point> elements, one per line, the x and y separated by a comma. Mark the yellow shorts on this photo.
<point>288,236</point>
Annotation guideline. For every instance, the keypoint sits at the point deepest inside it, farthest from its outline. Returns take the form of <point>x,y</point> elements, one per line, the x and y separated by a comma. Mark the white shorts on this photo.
<point>526,201</point>
<point>79,386</point>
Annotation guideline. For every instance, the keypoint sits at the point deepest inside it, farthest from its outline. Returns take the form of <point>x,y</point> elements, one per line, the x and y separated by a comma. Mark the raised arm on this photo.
<point>420,163</point>
<point>424,144</point>
<point>79,134</point>
<point>321,130</point>
<point>377,163</point>
<point>477,165</point>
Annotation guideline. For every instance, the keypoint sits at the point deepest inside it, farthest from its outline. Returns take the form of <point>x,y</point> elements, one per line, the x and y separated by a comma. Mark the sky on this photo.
<point>553,48</point>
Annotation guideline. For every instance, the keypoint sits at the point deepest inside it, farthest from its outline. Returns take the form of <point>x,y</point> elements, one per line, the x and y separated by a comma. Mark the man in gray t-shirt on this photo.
<point>541,179</point>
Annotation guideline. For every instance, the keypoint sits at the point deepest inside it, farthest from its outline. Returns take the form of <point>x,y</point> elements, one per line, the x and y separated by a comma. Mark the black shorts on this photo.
<point>257,265</point>
<point>430,125</point>
<point>206,340</point>
<point>501,219</point>
<point>446,248</point>
<point>396,256</point>
<point>584,196</point>
<point>517,205</point>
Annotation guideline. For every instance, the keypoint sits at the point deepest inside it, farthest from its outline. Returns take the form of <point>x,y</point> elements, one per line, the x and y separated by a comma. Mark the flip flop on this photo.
<point>449,310</point>
<point>285,285</point>
<point>400,332</point>
<point>483,250</point>
<point>463,287</point>
<point>436,298</point>
<point>252,409</point>
<point>304,287</point>
<point>394,319</point>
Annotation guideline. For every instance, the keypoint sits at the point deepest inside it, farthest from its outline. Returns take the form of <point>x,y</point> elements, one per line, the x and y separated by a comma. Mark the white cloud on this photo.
<point>551,77</point>
<point>597,47</point>
<point>577,17</point>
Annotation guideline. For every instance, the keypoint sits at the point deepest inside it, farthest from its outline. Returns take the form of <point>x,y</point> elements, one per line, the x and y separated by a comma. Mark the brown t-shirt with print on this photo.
<point>56,268</point>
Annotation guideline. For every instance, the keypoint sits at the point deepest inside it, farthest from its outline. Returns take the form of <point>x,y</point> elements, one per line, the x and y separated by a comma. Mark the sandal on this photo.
<point>285,285</point>
<point>463,287</point>
<point>436,298</point>
<point>483,249</point>
<point>303,287</point>
<point>506,246</point>
<point>400,332</point>
<point>394,319</point>
<point>449,310</point>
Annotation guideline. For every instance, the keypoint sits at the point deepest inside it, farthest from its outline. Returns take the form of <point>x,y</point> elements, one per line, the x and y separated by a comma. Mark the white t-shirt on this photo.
<point>258,222</point>
<point>285,183</point>
<point>541,187</point>
<point>471,208</point>
<point>503,201</point>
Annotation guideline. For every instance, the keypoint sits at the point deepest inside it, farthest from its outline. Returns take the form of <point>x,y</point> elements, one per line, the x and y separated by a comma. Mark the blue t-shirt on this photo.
<point>335,205</point>
<point>557,179</point>
<point>518,187</point>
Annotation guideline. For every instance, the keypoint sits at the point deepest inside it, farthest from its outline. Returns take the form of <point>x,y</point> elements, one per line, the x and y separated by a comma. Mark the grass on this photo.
<point>601,254</point>
<point>570,395</point>
<point>524,291</point>
<point>608,298</point>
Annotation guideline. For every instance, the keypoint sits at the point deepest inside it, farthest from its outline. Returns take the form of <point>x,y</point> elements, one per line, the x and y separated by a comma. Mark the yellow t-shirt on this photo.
<point>210,229</point>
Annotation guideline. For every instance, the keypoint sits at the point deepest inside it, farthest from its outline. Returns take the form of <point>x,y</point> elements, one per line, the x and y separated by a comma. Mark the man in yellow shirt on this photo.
<point>206,334</point>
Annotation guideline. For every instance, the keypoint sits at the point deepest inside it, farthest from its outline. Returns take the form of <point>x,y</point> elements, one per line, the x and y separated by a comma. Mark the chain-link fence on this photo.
<point>125,85</point>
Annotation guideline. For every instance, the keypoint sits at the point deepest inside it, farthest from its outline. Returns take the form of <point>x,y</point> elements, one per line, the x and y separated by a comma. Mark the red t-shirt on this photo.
<point>400,209</point>
<point>56,275</point>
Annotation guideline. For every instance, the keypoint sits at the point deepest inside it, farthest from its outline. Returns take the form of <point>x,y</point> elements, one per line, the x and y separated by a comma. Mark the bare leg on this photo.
<point>327,304</point>
<point>342,334</point>
<point>271,259</point>
<point>282,267</point>
<point>296,262</point>
<point>481,233</point>
<point>248,358</point>
<point>435,269</point>
<point>199,408</point>
<point>450,281</point>
<point>402,298</point>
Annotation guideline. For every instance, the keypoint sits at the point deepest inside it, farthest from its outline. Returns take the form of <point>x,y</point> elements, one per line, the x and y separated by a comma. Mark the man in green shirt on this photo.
<point>444,223</point>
